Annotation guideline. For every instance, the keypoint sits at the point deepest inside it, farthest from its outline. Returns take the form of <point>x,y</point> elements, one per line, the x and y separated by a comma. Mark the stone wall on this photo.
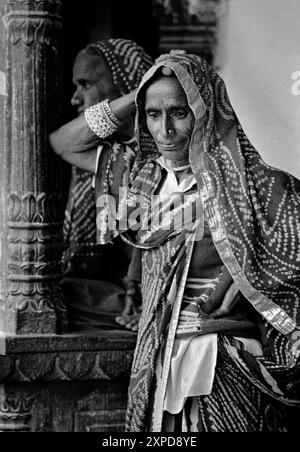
<point>49,380</point>
<point>67,383</point>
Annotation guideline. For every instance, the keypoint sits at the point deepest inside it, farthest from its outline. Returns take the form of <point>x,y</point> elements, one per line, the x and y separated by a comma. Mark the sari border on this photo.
<point>273,313</point>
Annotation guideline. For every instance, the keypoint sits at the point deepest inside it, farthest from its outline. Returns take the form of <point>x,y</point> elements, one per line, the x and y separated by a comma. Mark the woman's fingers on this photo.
<point>163,56</point>
<point>130,322</point>
<point>228,303</point>
<point>165,70</point>
<point>177,51</point>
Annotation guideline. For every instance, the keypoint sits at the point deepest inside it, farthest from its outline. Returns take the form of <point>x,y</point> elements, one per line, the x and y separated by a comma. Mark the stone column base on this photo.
<point>68,383</point>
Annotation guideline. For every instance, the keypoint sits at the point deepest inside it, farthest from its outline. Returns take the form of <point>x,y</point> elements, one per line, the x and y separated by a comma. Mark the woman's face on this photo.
<point>169,119</point>
<point>93,81</point>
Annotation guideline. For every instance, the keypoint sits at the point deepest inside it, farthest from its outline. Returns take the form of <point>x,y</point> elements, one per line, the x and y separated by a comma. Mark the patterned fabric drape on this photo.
<point>127,62</point>
<point>253,212</point>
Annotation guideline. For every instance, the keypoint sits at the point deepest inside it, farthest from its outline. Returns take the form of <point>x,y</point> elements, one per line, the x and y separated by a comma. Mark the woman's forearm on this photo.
<point>73,137</point>
<point>123,106</point>
<point>77,136</point>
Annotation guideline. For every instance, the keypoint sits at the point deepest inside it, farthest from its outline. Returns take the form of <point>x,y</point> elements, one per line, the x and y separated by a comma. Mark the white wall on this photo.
<point>259,50</point>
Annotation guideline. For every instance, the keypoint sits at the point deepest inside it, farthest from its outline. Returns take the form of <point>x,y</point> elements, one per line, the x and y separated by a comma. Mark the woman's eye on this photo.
<point>180,113</point>
<point>86,85</point>
<point>153,115</point>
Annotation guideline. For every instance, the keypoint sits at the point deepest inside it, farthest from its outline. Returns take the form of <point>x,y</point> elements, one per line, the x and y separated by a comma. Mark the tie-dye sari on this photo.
<point>127,62</point>
<point>253,212</point>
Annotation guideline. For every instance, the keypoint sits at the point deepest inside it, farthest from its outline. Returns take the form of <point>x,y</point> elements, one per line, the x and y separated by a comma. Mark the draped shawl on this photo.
<point>127,62</point>
<point>253,212</point>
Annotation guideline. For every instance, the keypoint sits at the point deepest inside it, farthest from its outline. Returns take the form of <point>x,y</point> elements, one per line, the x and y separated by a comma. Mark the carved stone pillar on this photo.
<point>48,381</point>
<point>189,24</point>
<point>30,174</point>
<point>15,411</point>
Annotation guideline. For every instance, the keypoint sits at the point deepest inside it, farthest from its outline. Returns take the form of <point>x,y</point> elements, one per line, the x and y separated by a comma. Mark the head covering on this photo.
<point>127,62</point>
<point>253,210</point>
<point>253,213</point>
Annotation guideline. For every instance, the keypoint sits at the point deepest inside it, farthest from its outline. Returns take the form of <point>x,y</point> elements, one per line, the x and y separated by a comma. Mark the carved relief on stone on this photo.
<point>34,267</point>
<point>34,21</point>
<point>15,412</point>
<point>67,366</point>
<point>33,176</point>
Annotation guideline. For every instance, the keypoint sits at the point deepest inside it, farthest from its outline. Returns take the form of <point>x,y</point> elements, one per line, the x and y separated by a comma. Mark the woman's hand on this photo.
<point>165,70</point>
<point>132,310</point>
<point>228,303</point>
<point>163,56</point>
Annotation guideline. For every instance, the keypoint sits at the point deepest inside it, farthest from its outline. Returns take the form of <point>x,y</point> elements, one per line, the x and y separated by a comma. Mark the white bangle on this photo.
<point>110,114</point>
<point>101,119</point>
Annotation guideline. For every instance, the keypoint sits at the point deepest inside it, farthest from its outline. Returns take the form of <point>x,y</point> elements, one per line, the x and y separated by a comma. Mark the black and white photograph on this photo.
<point>149,219</point>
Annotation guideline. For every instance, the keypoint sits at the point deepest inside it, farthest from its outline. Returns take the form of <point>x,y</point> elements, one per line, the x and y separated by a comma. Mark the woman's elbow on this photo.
<point>55,143</point>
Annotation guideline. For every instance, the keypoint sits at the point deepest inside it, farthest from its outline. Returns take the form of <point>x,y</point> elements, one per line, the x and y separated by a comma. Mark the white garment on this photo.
<point>192,370</point>
<point>171,185</point>
<point>99,150</point>
<point>193,366</point>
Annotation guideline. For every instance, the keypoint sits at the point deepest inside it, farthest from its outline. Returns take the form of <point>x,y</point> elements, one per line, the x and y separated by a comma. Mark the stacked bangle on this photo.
<point>101,119</point>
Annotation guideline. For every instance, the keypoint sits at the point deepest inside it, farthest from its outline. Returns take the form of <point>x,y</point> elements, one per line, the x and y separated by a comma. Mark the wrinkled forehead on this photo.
<point>164,90</point>
<point>180,77</point>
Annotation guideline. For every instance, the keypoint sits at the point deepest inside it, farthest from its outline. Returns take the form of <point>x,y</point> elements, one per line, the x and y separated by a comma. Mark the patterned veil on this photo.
<point>127,62</point>
<point>253,213</point>
<point>253,210</point>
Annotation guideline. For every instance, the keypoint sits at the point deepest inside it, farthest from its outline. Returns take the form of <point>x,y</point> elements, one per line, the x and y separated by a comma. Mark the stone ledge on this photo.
<point>102,340</point>
<point>106,355</point>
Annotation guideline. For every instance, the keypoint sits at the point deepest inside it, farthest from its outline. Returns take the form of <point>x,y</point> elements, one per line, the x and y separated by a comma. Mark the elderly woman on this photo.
<point>217,340</point>
<point>93,275</point>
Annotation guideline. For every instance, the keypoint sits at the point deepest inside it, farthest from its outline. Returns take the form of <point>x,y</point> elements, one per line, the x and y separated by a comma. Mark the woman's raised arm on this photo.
<point>74,139</point>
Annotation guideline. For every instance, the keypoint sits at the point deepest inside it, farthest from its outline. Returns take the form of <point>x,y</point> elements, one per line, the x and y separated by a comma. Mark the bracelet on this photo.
<point>101,119</point>
<point>109,113</point>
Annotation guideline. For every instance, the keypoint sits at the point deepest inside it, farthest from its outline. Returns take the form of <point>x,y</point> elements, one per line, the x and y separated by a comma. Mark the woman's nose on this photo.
<point>166,127</point>
<point>76,99</point>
